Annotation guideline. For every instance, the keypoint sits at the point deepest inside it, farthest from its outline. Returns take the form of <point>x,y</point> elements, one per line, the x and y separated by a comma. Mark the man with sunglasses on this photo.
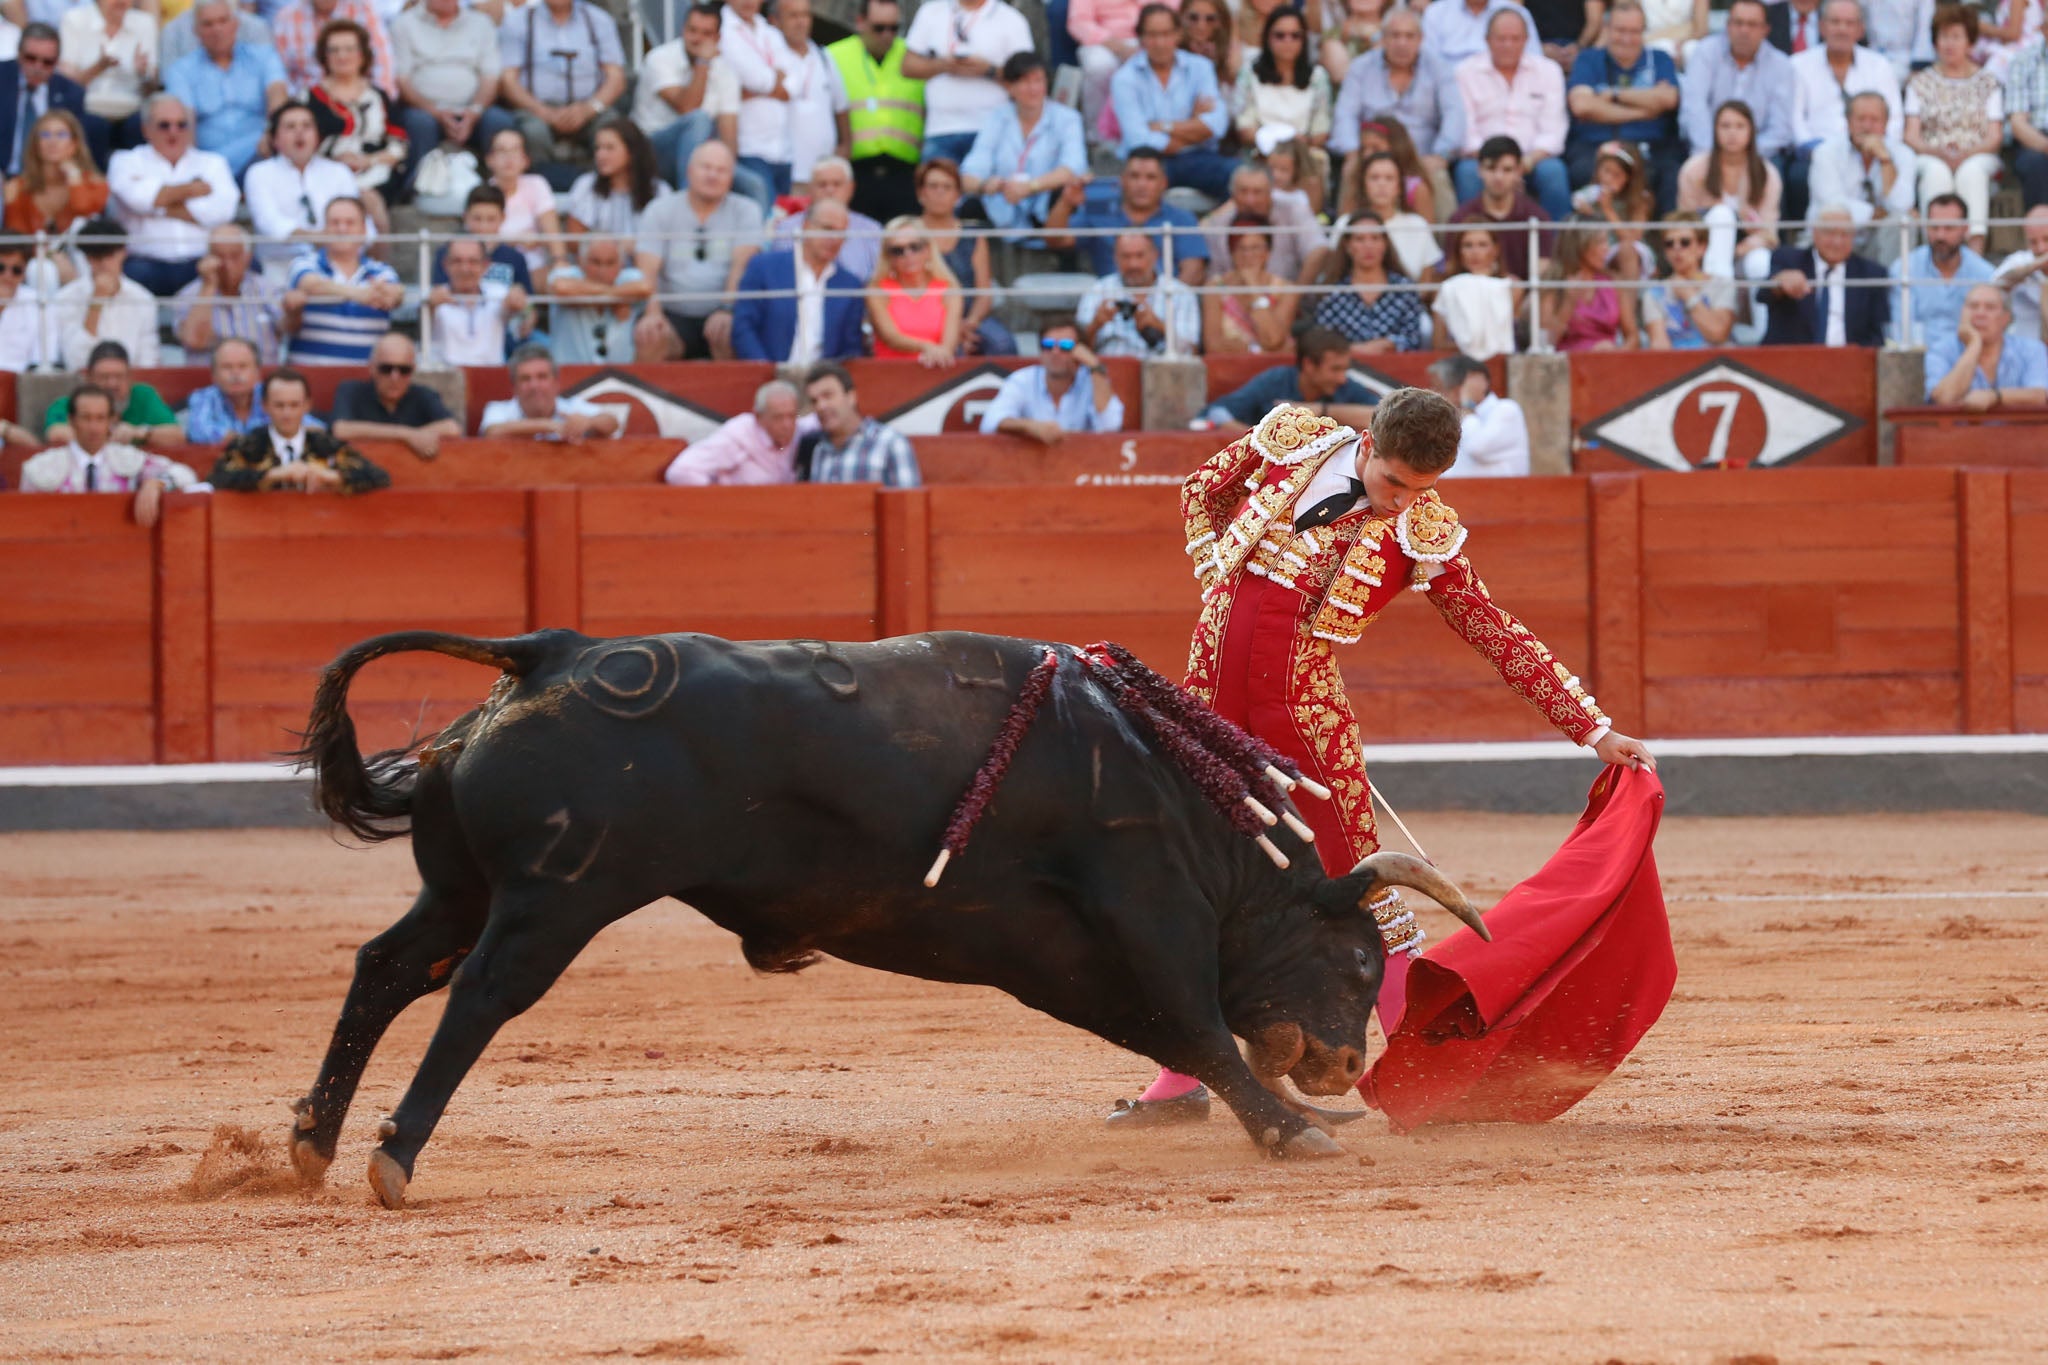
<point>389,406</point>
<point>1044,402</point>
<point>168,195</point>
<point>30,86</point>
<point>28,331</point>
<point>885,110</point>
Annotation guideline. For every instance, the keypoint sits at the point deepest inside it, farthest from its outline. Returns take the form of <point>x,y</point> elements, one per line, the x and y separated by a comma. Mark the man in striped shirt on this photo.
<point>852,448</point>
<point>338,302</point>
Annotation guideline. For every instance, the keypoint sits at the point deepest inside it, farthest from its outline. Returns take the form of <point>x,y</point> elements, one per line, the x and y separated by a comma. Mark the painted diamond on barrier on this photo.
<point>672,415</point>
<point>971,391</point>
<point>1723,415</point>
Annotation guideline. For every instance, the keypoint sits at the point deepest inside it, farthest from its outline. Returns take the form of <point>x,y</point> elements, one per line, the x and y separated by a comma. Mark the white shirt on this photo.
<point>992,31</point>
<point>508,410</point>
<point>288,451</point>
<point>757,55</point>
<point>28,332</point>
<point>116,92</point>
<point>1838,176</point>
<point>1333,478</point>
<point>667,67</point>
<point>1494,442</point>
<point>129,318</point>
<point>1832,279</point>
<point>284,199</point>
<point>2016,272</point>
<point>815,96</point>
<point>1819,105</point>
<point>810,314</point>
<point>139,174</point>
<point>1451,32</point>
<point>471,331</point>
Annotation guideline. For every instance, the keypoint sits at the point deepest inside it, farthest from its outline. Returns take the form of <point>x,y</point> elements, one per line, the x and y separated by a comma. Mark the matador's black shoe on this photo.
<point>1192,1107</point>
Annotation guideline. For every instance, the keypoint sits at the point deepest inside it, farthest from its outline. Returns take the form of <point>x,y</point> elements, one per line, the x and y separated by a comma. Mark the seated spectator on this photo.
<point>685,93</point>
<point>914,302</point>
<point>2019,274</point>
<point>817,104</point>
<point>337,300</point>
<point>2003,30</point>
<point>1028,151</point>
<point>957,49</point>
<point>1502,200</point>
<point>1955,121</point>
<point>298,24</point>
<point>31,86</point>
<point>1167,100</point>
<point>821,321</point>
<point>1586,319</point>
<point>1626,92</point>
<point>852,448</point>
<point>58,186</point>
<point>1510,92</point>
<point>885,122</point>
<point>611,197</point>
<point>1206,31</point>
<point>1688,308</point>
<point>591,304</point>
<point>446,65</point>
<point>761,61</point>
<point>530,211</point>
<point>243,302</point>
<point>104,304</point>
<point>470,312</point>
<point>229,85</point>
<point>538,407</point>
<point>1290,227</point>
<point>1796,26</point>
<point>180,37</point>
<point>28,324</point>
<point>92,461</point>
<point>1319,379</point>
<point>2026,112</point>
<point>1292,186</point>
<point>1367,303</point>
<point>1493,439</point>
<point>1388,136</point>
<point>1823,80</point>
<point>1356,32</point>
<point>1738,64</point>
<point>1141,205</point>
<point>1257,314</point>
<point>289,453</point>
<point>482,216</point>
<point>388,406</point>
<point>1983,365</point>
<point>1382,193</point>
<point>169,195</point>
<point>1569,27</point>
<point>697,243</point>
<point>1134,311</point>
<point>1107,32</point>
<point>1044,402</point>
<point>938,194</point>
<point>1477,305</point>
<point>1867,172</point>
<point>1902,31</point>
<point>1618,196</point>
<point>1940,274</point>
<point>753,448</point>
<point>1736,193</point>
<point>358,123</point>
<point>1809,298</point>
<point>1458,30</point>
<point>227,407</point>
<point>562,69</point>
<point>141,417</point>
<point>1401,83</point>
<point>290,191</point>
<point>860,250</point>
<point>109,47</point>
<point>1283,89</point>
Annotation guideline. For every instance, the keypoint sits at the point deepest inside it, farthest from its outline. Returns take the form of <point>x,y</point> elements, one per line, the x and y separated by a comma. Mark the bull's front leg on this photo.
<point>1209,1054</point>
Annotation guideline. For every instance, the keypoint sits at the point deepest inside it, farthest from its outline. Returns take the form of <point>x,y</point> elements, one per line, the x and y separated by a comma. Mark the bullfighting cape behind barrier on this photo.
<point>1521,1029</point>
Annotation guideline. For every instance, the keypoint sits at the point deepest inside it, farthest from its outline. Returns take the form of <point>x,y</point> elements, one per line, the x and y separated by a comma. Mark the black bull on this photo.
<point>795,793</point>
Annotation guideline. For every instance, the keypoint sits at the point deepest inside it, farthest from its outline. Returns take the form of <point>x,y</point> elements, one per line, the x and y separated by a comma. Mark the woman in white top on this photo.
<point>1955,120</point>
<point>110,49</point>
<point>1476,308</point>
<point>529,203</point>
<point>1283,88</point>
<point>1408,232</point>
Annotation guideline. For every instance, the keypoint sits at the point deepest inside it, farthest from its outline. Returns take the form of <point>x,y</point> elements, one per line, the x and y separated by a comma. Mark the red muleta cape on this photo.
<point>1521,1029</point>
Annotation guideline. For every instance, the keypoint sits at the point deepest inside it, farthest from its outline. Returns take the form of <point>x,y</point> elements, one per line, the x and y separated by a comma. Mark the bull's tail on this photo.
<point>372,798</point>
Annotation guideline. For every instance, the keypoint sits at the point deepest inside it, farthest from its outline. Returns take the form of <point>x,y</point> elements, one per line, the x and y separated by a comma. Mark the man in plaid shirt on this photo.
<point>296,29</point>
<point>852,448</point>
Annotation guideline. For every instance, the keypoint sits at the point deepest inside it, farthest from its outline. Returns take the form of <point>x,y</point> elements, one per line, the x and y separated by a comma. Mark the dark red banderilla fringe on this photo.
<point>1244,751</point>
<point>982,790</point>
<point>1221,783</point>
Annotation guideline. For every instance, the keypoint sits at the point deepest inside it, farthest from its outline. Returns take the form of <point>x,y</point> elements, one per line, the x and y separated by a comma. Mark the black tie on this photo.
<point>1332,507</point>
<point>92,476</point>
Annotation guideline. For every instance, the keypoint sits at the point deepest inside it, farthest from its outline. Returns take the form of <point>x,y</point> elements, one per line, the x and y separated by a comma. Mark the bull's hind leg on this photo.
<point>413,957</point>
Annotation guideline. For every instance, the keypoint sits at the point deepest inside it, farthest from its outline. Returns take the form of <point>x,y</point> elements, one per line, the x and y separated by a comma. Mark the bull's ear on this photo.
<point>1345,895</point>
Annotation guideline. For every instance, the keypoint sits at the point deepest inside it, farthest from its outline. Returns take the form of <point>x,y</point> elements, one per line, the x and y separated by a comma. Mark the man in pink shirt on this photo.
<point>755,447</point>
<point>1511,91</point>
<point>1107,31</point>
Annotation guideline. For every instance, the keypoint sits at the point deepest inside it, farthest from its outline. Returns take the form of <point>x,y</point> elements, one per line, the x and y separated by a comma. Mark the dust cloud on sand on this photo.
<point>1833,1148</point>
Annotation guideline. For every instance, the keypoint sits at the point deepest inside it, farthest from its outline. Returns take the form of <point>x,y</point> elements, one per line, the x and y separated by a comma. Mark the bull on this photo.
<point>793,793</point>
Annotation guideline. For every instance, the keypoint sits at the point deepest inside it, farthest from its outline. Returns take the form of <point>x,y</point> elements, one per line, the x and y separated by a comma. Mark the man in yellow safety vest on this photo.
<point>885,110</point>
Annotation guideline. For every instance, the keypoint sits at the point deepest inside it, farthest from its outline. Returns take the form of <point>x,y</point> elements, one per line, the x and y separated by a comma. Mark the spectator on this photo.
<point>1493,439</point>
<point>1319,379</point>
<point>1983,365</point>
<point>289,192</point>
<point>2003,30</point>
<point>92,461</point>
<point>1566,28</point>
<point>822,320</point>
<point>861,248</point>
<point>1417,181</point>
<point>1384,194</point>
<point>938,191</point>
<point>1626,92</point>
<point>358,123</point>
<point>612,197</point>
<point>1290,185</point>
<point>1044,402</point>
<point>109,48</point>
<point>1357,30</point>
<point>1585,318</point>
<point>696,242</point>
<point>1167,100</point>
<point>1939,274</point>
<point>1823,79</point>
<point>1810,297</point>
<point>1283,89</point>
<point>1677,26</point>
<point>1955,121</point>
<point>30,87</point>
<point>58,185</point>
<point>1028,151</point>
<point>471,313</point>
<point>1455,31</point>
<point>1737,64</point>
<point>169,195</point>
<point>1867,172</point>
<point>590,315</point>
<point>1503,200</point>
<point>1903,30</point>
<point>1290,229</point>
<point>1143,185</point>
<point>1107,31</point>
<point>298,24</point>
<point>1474,311</point>
<point>28,330</point>
<point>818,113</point>
<point>914,302</point>
<point>388,406</point>
<point>1257,312</point>
<point>1797,26</point>
<point>1688,308</point>
<point>1134,311</point>
<point>446,65</point>
<point>180,37</point>
<point>1618,196</point>
<point>529,202</point>
<point>1368,303</point>
<point>538,407</point>
<point>242,302</point>
<point>852,448</point>
<point>561,69</point>
<point>753,448</point>
<point>2020,274</point>
<point>1402,83</point>
<point>686,94</point>
<point>957,47</point>
<point>337,300</point>
<point>103,304</point>
<point>288,452</point>
<point>230,86</point>
<point>227,407</point>
<point>2026,108</point>
<point>1206,31</point>
<point>1509,93</point>
<point>1734,190</point>
<point>484,216</point>
<point>141,417</point>
<point>885,120</point>
<point>761,61</point>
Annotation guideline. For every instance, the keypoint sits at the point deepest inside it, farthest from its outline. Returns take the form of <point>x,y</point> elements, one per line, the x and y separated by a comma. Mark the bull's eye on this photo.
<point>1364,963</point>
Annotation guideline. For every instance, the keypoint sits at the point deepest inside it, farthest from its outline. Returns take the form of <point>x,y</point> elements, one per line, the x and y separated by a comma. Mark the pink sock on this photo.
<point>1170,1085</point>
<point>1393,999</point>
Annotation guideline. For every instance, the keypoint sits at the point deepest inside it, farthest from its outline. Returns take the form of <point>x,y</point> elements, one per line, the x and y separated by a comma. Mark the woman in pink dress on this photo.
<point>1586,314</point>
<point>913,300</point>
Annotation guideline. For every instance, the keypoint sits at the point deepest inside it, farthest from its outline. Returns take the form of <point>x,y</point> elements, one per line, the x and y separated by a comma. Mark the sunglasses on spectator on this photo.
<point>13,268</point>
<point>884,28</point>
<point>386,367</point>
<point>1056,343</point>
<point>904,249</point>
<point>1670,242</point>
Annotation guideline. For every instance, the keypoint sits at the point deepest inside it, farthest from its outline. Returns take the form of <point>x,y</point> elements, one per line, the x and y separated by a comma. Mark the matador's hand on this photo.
<point>1623,752</point>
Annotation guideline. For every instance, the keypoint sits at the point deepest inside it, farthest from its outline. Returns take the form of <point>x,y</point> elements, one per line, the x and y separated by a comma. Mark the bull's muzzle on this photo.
<point>1400,869</point>
<point>1315,1067</point>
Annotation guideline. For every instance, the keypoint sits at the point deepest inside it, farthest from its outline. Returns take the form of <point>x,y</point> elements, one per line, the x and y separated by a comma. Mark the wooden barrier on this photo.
<point>1154,457</point>
<point>2027,580</point>
<point>2010,438</point>
<point>1764,406</point>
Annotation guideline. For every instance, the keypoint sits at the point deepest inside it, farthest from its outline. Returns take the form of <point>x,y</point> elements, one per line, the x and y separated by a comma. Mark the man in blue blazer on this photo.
<point>1808,290</point>
<point>29,88</point>
<point>765,328</point>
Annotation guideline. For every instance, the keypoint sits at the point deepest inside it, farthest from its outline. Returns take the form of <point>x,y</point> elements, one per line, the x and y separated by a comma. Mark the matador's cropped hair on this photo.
<point>1418,427</point>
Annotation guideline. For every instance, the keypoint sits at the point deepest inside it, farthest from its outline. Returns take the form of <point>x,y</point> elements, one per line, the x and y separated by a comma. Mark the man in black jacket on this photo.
<point>1816,296</point>
<point>285,454</point>
<point>29,88</point>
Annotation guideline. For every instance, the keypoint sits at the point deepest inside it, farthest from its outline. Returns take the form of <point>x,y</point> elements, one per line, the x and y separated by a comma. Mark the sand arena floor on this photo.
<point>1834,1147</point>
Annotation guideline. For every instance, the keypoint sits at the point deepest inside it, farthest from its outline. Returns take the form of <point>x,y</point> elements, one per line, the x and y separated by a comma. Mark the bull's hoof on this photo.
<point>1329,1119</point>
<point>1192,1107</point>
<point>307,1161</point>
<point>387,1180</point>
<point>1313,1142</point>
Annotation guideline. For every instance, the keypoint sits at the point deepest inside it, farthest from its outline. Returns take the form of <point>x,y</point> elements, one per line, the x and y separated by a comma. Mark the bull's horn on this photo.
<point>1400,869</point>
